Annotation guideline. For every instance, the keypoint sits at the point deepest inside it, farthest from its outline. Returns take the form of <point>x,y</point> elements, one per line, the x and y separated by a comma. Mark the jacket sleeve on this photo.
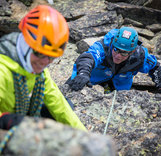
<point>149,63</point>
<point>58,106</point>
<point>97,52</point>
<point>6,89</point>
<point>99,48</point>
<point>84,63</point>
<point>155,74</point>
<point>152,67</point>
<point>90,59</point>
<point>2,91</point>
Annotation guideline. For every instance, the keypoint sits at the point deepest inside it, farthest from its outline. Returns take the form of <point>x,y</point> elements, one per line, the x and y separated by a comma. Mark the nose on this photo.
<point>118,55</point>
<point>45,60</point>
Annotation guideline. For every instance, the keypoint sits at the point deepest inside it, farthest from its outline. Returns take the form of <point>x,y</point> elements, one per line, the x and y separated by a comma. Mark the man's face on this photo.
<point>119,56</point>
<point>40,61</point>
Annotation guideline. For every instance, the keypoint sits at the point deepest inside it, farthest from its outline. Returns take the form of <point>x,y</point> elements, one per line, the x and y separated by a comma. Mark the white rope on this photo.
<point>109,116</point>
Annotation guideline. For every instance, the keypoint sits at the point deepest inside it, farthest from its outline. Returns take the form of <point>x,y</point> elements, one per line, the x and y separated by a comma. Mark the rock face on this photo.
<point>155,4</point>
<point>37,137</point>
<point>135,120</point>
<point>134,123</point>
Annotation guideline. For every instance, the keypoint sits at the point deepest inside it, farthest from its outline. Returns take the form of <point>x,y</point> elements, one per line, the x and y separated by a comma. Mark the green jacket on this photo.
<point>53,98</point>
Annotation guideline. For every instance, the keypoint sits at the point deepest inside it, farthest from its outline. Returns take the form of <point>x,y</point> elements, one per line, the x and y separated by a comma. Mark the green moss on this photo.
<point>158,147</point>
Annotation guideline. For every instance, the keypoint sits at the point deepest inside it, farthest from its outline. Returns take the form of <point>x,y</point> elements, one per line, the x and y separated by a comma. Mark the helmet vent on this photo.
<point>35,12</point>
<point>45,41</point>
<point>33,25</point>
<point>33,17</point>
<point>63,46</point>
<point>32,35</point>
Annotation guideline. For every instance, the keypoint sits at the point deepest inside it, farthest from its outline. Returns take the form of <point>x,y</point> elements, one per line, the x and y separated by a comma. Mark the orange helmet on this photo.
<point>45,30</point>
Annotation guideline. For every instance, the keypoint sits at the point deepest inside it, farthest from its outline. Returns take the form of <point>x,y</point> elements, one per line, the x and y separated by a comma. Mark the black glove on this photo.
<point>80,81</point>
<point>7,121</point>
<point>156,75</point>
<point>159,90</point>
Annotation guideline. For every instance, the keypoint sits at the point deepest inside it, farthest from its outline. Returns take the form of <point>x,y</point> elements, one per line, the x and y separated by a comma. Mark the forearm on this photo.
<point>8,120</point>
<point>85,63</point>
<point>155,74</point>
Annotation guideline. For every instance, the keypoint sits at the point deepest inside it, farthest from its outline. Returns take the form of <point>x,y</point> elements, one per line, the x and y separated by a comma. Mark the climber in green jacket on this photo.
<point>25,82</point>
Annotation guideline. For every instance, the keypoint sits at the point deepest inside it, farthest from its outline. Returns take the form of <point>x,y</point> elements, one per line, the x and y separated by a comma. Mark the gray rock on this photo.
<point>27,3</point>
<point>37,137</point>
<point>84,44</point>
<point>5,9</point>
<point>154,27</point>
<point>134,122</point>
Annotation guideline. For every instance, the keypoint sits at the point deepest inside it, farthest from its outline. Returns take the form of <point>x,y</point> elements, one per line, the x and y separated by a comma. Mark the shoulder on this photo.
<point>5,71</point>
<point>12,36</point>
<point>111,33</point>
<point>149,60</point>
<point>48,79</point>
<point>109,36</point>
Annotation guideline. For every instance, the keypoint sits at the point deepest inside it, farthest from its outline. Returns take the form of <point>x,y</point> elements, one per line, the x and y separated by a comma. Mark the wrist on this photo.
<point>5,113</point>
<point>85,73</point>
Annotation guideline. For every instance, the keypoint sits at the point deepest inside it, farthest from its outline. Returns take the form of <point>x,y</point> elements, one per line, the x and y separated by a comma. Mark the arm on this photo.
<point>6,88</point>
<point>89,60</point>
<point>96,53</point>
<point>155,74</point>
<point>152,67</point>
<point>84,65</point>
<point>58,106</point>
<point>7,118</point>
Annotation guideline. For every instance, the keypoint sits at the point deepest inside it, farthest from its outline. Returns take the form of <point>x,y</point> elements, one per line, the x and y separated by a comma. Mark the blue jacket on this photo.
<point>97,61</point>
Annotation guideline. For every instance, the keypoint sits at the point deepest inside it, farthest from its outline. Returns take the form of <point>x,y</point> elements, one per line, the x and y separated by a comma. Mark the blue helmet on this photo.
<point>126,39</point>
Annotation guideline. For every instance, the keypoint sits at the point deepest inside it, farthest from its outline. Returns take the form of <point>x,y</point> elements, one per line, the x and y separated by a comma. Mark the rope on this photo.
<point>109,116</point>
<point>24,103</point>
<point>8,135</point>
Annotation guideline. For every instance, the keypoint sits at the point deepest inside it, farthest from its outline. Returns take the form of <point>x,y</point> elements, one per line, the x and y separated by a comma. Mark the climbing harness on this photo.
<point>7,137</point>
<point>111,109</point>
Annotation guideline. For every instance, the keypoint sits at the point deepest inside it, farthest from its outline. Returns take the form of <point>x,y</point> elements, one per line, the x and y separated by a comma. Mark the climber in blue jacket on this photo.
<point>114,60</point>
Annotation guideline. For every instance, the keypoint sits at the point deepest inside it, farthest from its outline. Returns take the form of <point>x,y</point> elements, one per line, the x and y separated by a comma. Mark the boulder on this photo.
<point>37,137</point>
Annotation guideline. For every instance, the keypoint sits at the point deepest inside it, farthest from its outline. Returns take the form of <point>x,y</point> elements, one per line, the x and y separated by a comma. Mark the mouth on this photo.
<point>38,67</point>
<point>115,58</point>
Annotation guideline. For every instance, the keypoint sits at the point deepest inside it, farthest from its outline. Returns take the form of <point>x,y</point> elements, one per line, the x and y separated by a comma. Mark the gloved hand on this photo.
<point>156,76</point>
<point>7,120</point>
<point>159,90</point>
<point>80,81</point>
